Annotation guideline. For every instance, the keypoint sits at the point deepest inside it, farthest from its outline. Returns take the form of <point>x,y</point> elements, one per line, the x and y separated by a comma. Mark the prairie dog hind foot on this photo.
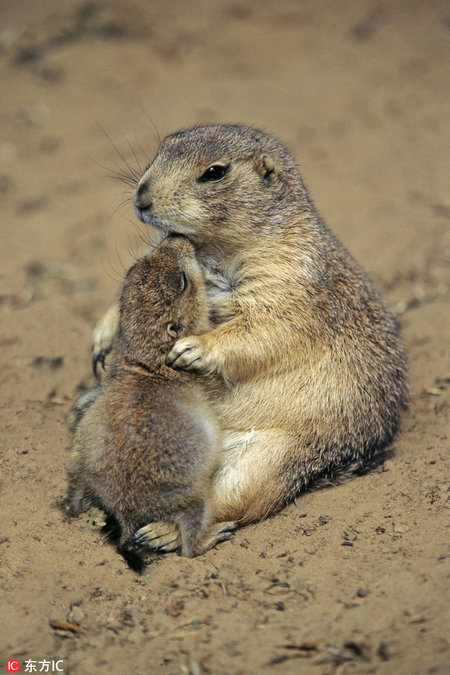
<point>166,537</point>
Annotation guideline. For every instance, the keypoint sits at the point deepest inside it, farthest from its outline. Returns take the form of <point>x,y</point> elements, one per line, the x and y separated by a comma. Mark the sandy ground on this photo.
<point>349,579</point>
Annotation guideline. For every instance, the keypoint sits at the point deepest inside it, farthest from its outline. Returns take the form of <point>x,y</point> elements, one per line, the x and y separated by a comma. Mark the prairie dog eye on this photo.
<point>184,282</point>
<point>214,172</point>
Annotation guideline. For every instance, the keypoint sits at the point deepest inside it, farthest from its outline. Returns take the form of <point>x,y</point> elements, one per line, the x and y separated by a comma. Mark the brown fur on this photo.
<point>146,440</point>
<point>308,365</point>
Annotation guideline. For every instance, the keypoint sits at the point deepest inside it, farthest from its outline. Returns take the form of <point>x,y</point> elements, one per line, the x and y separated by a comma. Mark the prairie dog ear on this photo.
<point>174,330</point>
<point>265,166</point>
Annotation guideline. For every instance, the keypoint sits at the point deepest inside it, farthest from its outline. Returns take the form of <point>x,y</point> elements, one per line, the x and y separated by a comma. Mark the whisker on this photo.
<point>117,174</point>
<point>155,128</point>
<point>134,247</point>
<point>132,171</point>
<point>116,248</point>
<point>129,172</point>
<point>111,273</point>
<point>144,236</point>
<point>123,179</point>
<point>138,164</point>
<point>120,206</point>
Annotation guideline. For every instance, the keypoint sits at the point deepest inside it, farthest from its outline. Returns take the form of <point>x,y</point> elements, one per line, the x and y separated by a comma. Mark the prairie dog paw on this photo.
<point>219,532</point>
<point>103,335</point>
<point>159,536</point>
<point>187,354</point>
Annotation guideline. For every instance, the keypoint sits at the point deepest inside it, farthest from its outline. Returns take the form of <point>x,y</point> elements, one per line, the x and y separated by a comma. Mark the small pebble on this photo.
<point>77,615</point>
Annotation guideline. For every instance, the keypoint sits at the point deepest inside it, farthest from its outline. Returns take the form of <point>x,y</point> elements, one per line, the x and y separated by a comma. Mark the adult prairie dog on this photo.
<point>146,439</point>
<point>308,366</point>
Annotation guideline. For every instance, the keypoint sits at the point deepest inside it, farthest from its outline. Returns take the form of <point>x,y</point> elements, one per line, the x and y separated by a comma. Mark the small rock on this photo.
<point>174,608</point>
<point>77,615</point>
<point>382,651</point>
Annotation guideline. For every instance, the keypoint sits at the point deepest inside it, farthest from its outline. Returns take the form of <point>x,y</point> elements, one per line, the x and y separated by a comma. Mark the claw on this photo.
<point>141,538</point>
<point>220,532</point>
<point>170,547</point>
<point>99,357</point>
<point>228,526</point>
<point>176,366</point>
<point>158,536</point>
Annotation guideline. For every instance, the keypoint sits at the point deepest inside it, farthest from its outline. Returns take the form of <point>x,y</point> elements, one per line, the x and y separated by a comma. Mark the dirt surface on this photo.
<point>349,579</point>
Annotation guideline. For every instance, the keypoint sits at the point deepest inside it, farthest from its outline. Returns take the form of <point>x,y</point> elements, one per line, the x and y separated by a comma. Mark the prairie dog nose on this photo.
<point>141,198</point>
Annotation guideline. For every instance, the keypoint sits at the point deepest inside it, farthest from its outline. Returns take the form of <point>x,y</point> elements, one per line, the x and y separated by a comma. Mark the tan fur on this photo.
<point>308,367</point>
<point>146,440</point>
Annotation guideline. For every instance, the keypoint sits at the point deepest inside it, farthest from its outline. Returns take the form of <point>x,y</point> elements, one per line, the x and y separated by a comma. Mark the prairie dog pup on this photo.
<point>147,443</point>
<point>308,364</point>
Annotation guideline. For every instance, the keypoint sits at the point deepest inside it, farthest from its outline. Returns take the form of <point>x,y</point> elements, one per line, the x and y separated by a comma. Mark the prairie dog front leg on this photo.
<point>228,351</point>
<point>103,335</point>
<point>241,348</point>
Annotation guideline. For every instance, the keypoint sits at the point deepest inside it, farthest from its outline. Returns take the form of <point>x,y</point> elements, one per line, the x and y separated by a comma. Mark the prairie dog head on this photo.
<point>163,297</point>
<point>218,185</point>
